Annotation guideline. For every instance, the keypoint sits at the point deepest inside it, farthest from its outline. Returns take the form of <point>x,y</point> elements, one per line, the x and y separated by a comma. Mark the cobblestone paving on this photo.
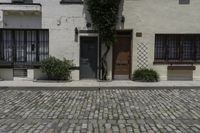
<point>58,111</point>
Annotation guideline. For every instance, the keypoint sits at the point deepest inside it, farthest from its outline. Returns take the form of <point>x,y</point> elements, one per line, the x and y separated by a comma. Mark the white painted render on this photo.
<point>6,74</point>
<point>35,74</point>
<point>60,19</point>
<point>23,21</point>
<point>146,16</point>
<point>180,74</point>
<point>160,16</point>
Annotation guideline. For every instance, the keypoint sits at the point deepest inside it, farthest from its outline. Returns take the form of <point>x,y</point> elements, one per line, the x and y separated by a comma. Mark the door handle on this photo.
<point>32,47</point>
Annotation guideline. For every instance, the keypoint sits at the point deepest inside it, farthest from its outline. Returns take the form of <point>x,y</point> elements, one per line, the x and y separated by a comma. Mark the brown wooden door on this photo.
<point>122,58</point>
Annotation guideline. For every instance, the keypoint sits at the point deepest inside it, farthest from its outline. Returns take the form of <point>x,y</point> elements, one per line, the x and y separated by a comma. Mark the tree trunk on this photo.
<point>104,63</point>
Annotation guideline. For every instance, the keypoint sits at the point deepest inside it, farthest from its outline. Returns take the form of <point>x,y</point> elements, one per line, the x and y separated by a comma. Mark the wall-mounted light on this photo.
<point>88,25</point>
<point>76,31</point>
<point>122,19</point>
<point>76,34</point>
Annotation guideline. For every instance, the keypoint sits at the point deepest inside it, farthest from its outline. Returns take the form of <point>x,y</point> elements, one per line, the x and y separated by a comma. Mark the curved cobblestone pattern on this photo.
<point>59,111</point>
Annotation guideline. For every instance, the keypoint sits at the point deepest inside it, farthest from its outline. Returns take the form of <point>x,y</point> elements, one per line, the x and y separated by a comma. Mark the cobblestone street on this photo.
<point>60,111</point>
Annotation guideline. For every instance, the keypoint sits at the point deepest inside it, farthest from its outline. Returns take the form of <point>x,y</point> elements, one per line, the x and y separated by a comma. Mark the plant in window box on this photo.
<point>57,69</point>
<point>145,75</point>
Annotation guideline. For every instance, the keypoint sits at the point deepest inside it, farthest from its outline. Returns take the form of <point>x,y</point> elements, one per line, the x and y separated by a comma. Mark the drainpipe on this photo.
<point>100,67</point>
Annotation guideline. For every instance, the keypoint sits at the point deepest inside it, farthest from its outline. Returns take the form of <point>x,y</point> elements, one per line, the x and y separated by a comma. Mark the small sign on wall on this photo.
<point>138,34</point>
<point>1,15</point>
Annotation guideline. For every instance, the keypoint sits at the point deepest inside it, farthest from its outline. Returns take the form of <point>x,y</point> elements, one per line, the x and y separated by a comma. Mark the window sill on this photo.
<point>4,64</point>
<point>4,3</point>
<point>175,62</point>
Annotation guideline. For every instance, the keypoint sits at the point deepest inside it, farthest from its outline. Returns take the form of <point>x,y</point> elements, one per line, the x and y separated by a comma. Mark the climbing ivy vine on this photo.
<point>104,15</point>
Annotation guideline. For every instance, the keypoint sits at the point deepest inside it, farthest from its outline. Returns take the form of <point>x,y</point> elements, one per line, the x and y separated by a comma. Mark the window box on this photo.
<point>181,68</point>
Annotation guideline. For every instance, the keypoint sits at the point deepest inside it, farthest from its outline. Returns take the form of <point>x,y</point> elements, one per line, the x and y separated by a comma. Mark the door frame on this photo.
<point>128,34</point>
<point>97,69</point>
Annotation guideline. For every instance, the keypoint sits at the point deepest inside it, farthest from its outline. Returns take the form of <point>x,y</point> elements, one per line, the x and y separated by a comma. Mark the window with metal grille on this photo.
<point>6,45</point>
<point>160,47</point>
<point>177,48</point>
<point>187,47</point>
<point>197,47</point>
<point>23,45</point>
<point>173,48</point>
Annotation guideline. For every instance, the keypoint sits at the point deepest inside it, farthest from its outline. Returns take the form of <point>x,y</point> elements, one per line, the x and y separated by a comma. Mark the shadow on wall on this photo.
<point>87,16</point>
<point>121,19</point>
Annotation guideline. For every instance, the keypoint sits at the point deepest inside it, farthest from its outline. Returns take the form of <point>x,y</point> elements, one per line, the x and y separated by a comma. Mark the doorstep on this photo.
<point>22,79</point>
<point>94,85</point>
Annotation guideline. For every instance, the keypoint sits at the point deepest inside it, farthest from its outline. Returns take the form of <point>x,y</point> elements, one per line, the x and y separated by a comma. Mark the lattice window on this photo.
<point>142,56</point>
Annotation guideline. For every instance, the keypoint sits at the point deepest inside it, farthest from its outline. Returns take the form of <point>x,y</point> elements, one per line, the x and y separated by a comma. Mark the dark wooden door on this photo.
<point>88,57</point>
<point>122,58</point>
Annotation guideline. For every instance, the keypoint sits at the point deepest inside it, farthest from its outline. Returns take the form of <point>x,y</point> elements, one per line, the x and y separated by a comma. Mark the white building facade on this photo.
<point>160,34</point>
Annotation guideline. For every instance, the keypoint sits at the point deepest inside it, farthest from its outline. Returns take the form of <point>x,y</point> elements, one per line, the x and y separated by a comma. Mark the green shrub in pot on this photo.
<point>145,75</point>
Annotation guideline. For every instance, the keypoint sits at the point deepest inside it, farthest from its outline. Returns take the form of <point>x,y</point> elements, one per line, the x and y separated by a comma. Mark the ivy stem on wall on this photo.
<point>104,16</point>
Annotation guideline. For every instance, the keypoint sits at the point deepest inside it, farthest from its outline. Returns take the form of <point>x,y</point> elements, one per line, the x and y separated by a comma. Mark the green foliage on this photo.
<point>104,14</point>
<point>145,75</point>
<point>57,69</point>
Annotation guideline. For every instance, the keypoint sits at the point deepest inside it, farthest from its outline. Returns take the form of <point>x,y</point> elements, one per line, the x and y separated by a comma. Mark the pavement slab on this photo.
<point>94,84</point>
